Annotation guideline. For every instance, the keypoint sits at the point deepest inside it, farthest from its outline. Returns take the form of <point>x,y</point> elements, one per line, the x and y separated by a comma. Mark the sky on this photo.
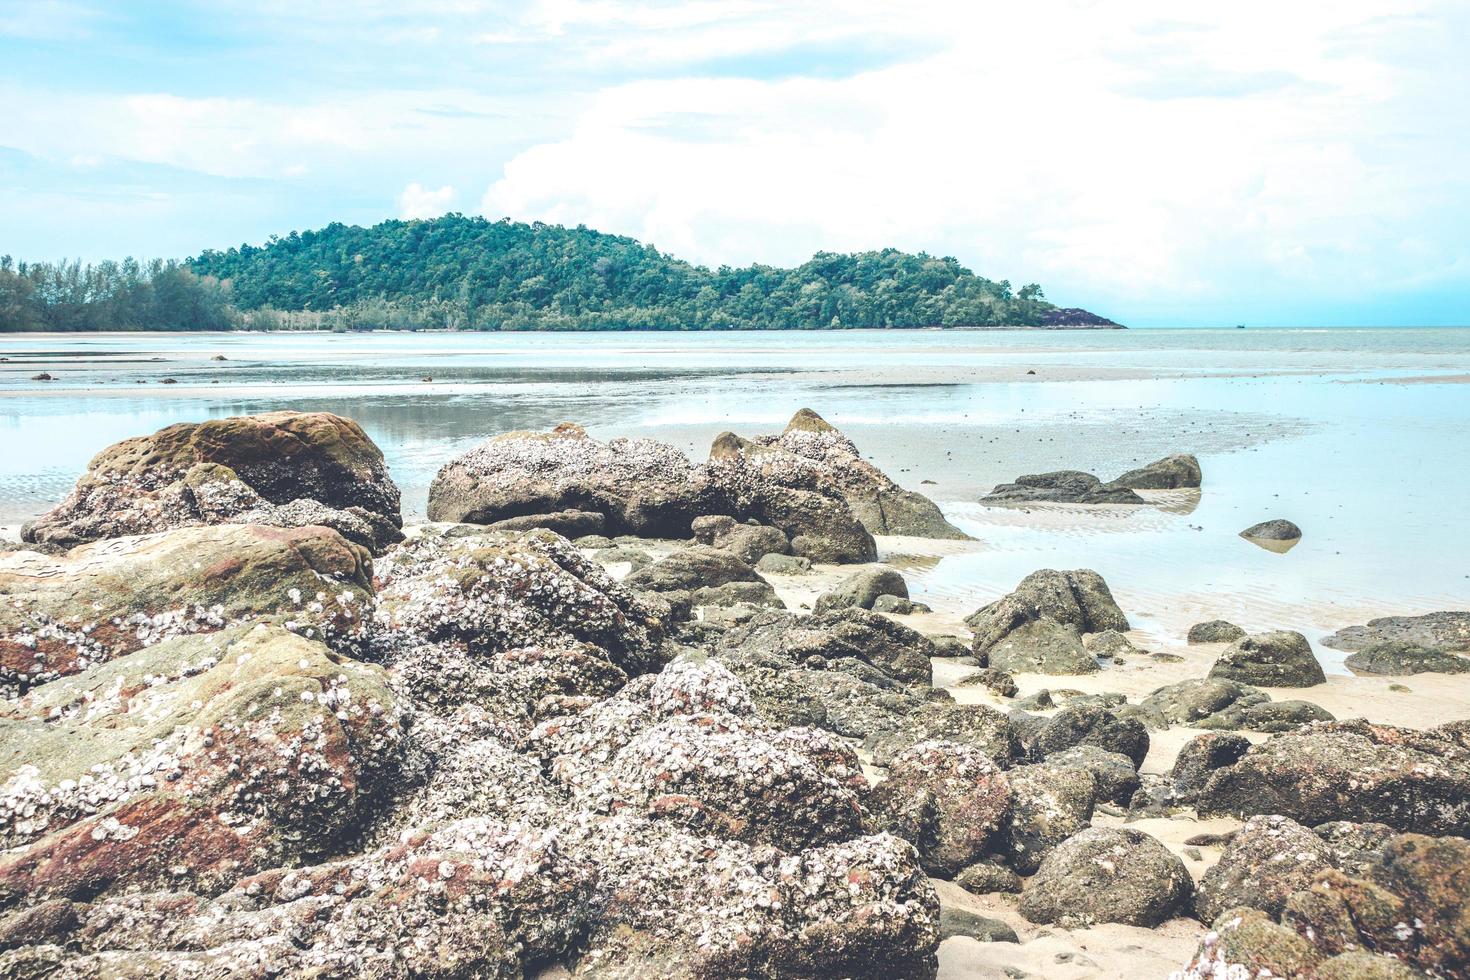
<point>1158,162</point>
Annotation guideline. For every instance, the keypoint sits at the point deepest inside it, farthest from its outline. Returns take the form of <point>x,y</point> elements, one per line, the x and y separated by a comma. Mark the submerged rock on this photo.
<point>1396,658</point>
<point>1448,631</point>
<point>1107,875</point>
<point>1177,472</point>
<point>1350,770</point>
<point>1273,530</point>
<point>1278,659</point>
<point>1060,487</point>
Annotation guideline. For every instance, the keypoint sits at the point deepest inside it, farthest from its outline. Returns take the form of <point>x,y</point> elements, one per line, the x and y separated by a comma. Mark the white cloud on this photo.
<point>418,201</point>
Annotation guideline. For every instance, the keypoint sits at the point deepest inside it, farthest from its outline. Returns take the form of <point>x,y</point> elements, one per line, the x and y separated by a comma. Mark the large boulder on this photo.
<point>1094,725</point>
<point>1231,706</point>
<point>287,469</point>
<point>640,486</point>
<point>1060,487</point>
<point>60,615</point>
<point>862,589</point>
<point>1278,659</point>
<point>1107,875</point>
<point>1042,646</point>
<point>1199,758</point>
<point>947,799</point>
<point>1267,859</point>
<point>894,649</point>
<point>1409,780</point>
<point>1177,472</point>
<point>811,452</point>
<point>190,763</point>
<point>1448,631</point>
<point>1079,599</point>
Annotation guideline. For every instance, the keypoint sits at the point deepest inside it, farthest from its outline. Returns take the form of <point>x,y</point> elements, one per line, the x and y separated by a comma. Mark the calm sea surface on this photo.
<point>1360,436</point>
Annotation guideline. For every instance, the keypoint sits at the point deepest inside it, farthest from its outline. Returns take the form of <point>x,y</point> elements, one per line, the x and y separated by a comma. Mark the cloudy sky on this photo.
<point>1261,161</point>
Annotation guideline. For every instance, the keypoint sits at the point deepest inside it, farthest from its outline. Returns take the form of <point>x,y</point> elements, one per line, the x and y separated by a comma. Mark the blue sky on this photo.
<point>1265,162</point>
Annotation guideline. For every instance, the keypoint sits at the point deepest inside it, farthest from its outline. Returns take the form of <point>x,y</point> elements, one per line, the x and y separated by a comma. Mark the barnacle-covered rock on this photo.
<point>1266,860</point>
<point>749,542</point>
<point>60,615</point>
<point>1091,724</point>
<point>501,591</point>
<point>1277,659</point>
<point>1350,770</point>
<point>899,652</point>
<point>1218,703</point>
<point>1039,626</point>
<point>947,799</point>
<point>1049,803</point>
<point>286,469</point>
<point>190,763</point>
<point>811,452</point>
<point>1107,874</point>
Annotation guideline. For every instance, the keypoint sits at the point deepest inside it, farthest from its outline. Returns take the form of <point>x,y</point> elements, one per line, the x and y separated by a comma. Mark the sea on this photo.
<point>1360,436</point>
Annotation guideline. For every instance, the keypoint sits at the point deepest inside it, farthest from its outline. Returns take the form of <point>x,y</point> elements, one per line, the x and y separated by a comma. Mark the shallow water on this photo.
<point>1357,435</point>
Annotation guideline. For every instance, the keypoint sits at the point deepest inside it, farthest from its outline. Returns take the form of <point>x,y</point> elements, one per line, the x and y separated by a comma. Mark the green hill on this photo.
<point>469,273</point>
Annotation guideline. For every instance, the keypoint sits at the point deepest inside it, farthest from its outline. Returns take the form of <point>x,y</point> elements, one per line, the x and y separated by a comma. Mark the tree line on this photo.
<point>467,273</point>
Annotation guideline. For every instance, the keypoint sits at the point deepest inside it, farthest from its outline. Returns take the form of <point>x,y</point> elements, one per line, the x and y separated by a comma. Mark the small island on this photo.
<point>469,273</point>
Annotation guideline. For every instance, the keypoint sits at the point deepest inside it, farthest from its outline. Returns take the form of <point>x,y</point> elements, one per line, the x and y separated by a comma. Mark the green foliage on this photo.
<point>464,273</point>
<point>127,295</point>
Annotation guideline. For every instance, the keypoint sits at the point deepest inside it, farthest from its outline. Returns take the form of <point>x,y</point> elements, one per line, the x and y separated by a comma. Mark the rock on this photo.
<point>749,542</point>
<point>639,486</point>
<point>1107,875</point>
<point>1115,776</point>
<point>862,589</point>
<point>1199,758</point>
<point>288,469</point>
<point>62,615</point>
<point>1110,643</point>
<point>952,647</point>
<point>947,799</point>
<point>1231,706</point>
<point>695,567</point>
<point>1246,942</point>
<point>1274,530</point>
<point>1177,472</point>
<point>191,763</point>
<point>1395,658</point>
<point>1364,966</point>
<point>975,725</point>
<point>1350,770</point>
<point>1077,599</point>
<point>898,651</point>
<point>1354,847</point>
<point>897,606</point>
<point>997,680</point>
<point>985,878</point>
<point>1049,804</point>
<point>1042,647</point>
<point>1268,859</point>
<point>500,591</point>
<point>567,523</point>
<point>1409,905</point>
<point>812,452</point>
<point>1214,631</point>
<point>958,922</point>
<point>1062,487</point>
<point>1094,726</point>
<point>1279,659</point>
<point>620,554</point>
<point>771,564</point>
<point>1448,631</point>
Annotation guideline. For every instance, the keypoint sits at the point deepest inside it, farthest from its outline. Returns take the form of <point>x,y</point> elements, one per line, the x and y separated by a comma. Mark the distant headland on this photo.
<point>468,273</point>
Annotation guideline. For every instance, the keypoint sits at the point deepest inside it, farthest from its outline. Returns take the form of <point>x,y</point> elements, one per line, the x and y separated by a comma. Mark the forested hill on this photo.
<point>456,272</point>
<point>472,273</point>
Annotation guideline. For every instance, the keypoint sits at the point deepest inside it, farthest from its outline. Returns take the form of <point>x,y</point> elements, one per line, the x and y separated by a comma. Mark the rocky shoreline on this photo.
<point>617,714</point>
